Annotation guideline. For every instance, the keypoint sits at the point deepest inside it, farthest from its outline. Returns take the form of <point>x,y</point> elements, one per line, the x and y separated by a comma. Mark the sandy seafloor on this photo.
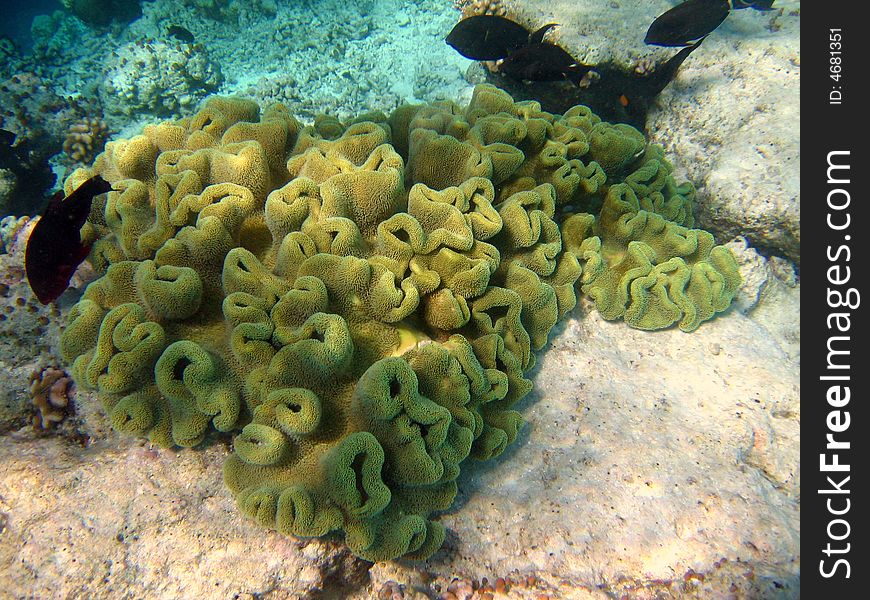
<point>652,465</point>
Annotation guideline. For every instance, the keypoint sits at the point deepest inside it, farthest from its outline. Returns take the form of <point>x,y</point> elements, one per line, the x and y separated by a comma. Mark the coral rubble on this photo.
<point>360,301</point>
<point>231,11</point>
<point>23,318</point>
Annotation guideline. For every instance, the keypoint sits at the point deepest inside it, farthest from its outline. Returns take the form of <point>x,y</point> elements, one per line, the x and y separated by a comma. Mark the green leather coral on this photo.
<point>358,304</point>
<point>648,270</point>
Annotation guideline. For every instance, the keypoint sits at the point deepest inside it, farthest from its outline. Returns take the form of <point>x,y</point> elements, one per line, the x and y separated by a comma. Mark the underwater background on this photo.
<point>651,464</point>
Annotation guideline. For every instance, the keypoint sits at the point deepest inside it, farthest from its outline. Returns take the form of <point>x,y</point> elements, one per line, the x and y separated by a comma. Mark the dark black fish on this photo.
<point>487,37</point>
<point>756,4</point>
<point>543,62</point>
<point>687,22</point>
<point>626,98</point>
<point>180,33</point>
<point>55,248</point>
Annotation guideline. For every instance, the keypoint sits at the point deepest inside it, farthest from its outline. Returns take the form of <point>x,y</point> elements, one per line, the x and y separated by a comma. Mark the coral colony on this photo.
<point>360,303</point>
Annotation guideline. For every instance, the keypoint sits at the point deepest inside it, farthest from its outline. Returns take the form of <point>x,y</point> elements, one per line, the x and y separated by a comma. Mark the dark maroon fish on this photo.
<point>543,62</point>
<point>687,22</point>
<point>487,37</point>
<point>55,249</point>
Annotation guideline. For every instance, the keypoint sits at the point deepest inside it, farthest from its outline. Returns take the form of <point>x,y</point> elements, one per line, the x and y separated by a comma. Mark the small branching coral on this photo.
<point>360,301</point>
<point>85,138</point>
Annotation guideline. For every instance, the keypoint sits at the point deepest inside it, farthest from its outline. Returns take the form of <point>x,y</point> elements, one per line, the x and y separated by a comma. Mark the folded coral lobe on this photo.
<point>55,248</point>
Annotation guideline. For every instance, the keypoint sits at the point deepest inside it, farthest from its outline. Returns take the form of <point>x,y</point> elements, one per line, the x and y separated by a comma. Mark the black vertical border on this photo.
<point>829,127</point>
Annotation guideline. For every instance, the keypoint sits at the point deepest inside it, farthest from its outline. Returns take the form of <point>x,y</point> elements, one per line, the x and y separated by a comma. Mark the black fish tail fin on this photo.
<point>666,73</point>
<point>676,60</point>
<point>538,36</point>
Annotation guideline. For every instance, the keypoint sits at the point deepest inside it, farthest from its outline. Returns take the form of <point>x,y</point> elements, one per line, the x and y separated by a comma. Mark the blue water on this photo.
<point>18,15</point>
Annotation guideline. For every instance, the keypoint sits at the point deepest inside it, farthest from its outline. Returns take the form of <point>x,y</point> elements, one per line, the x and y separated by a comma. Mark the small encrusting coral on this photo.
<point>428,585</point>
<point>51,390</point>
<point>10,227</point>
<point>360,302</point>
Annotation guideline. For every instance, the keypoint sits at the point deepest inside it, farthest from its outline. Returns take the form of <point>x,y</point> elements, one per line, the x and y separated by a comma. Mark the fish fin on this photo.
<point>538,36</point>
<point>666,73</point>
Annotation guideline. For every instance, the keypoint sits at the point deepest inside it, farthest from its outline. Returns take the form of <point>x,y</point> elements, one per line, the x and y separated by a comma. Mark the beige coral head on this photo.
<point>85,139</point>
<point>471,8</point>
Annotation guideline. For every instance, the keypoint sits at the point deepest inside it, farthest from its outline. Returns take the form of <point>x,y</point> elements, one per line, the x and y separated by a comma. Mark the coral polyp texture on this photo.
<point>359,302</point>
